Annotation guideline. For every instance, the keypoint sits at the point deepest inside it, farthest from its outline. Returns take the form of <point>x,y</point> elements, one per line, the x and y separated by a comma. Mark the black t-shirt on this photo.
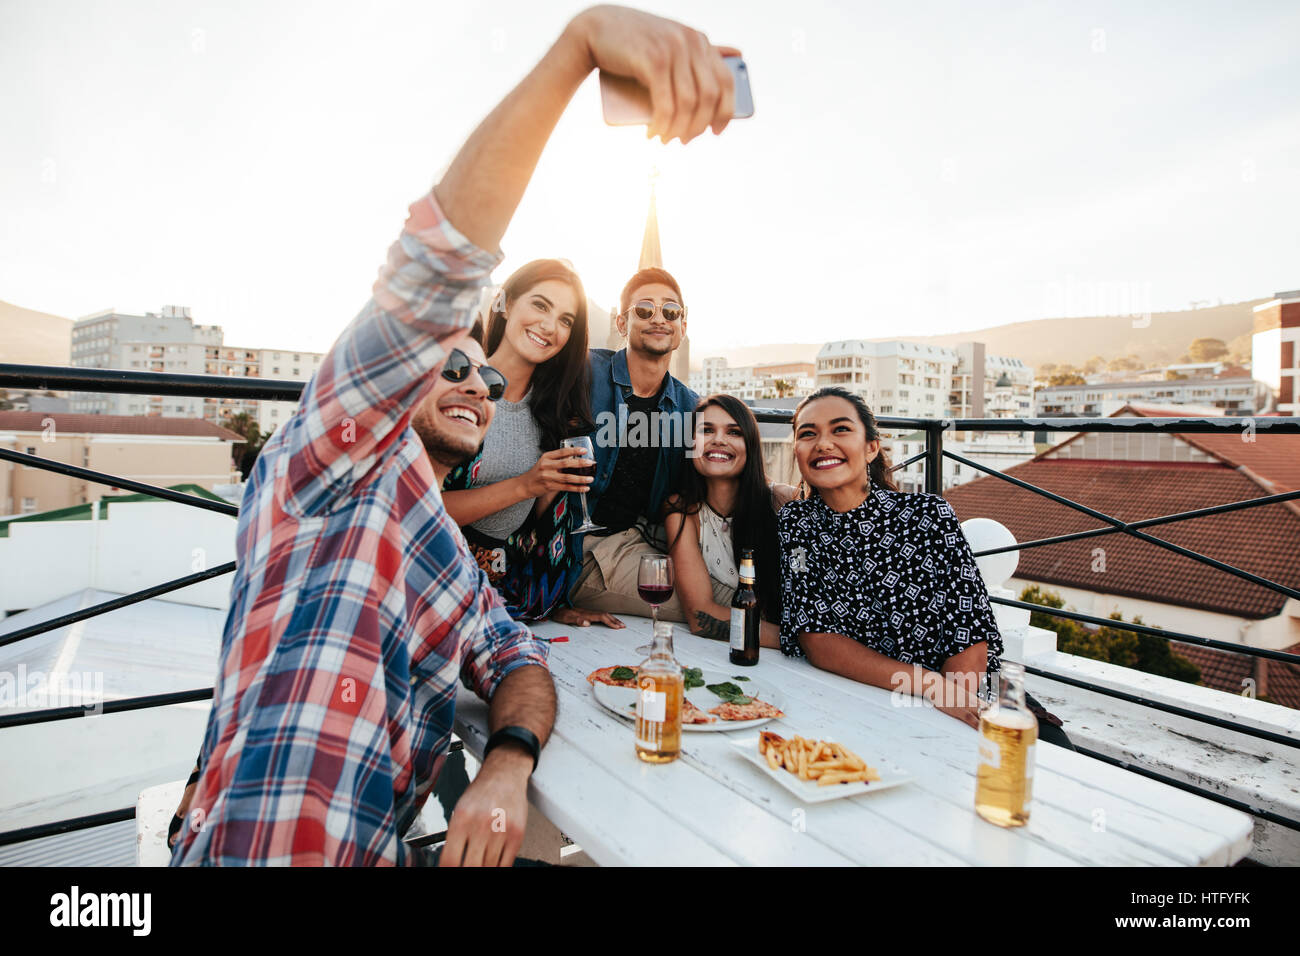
<point>628,494</point>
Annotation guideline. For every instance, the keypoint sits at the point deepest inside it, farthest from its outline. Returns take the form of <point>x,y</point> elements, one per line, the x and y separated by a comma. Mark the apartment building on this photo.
<point>170,341</point>
<point>1275,350</point>
<point>748,382</point>
<point>1231,396</point>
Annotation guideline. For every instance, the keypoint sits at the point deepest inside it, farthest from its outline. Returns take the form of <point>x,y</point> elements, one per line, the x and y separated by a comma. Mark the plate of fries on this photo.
<point>816,770</point>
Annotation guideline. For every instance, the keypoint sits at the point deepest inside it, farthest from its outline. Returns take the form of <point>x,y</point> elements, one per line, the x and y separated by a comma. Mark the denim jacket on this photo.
<point>609,383</point>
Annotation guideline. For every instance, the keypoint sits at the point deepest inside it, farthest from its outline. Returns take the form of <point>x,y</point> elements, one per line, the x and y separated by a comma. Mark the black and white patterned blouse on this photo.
<point>895,574</point>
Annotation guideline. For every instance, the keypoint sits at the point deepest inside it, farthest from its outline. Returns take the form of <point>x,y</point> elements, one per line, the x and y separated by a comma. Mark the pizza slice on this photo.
<point>626,676</point>
<point>752,711</point>
<point>693,715</point>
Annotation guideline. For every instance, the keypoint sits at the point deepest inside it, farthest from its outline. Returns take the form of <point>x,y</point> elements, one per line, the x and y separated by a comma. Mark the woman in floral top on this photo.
<point>877,584</point>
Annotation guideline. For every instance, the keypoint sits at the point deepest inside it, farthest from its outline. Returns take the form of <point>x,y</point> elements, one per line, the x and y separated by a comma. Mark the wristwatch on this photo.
<point>519,735</point>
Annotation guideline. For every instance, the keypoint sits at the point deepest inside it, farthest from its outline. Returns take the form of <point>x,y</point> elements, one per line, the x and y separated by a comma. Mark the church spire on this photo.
<point>651,255</point>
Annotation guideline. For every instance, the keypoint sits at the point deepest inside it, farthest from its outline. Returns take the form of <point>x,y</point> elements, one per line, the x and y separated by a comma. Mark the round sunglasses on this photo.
<point>646,309</point>
<point>457,369</point>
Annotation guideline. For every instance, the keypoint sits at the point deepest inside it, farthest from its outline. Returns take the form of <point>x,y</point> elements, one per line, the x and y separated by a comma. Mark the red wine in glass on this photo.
<point>654,583</point>
<point>588,471</point>
<point>654,594</point>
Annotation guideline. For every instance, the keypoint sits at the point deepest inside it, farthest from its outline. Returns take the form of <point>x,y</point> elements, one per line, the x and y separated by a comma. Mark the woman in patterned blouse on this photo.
<point>878,585</point>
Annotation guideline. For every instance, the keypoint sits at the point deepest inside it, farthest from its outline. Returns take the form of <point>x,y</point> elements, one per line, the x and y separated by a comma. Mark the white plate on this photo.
<point>808,791</point>
<point>622,700</point>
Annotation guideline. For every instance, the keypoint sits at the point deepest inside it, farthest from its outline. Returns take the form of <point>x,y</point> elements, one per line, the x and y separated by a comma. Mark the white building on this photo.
<point>1231,396</point>
<point>1275,350</point>
<point>988,386</point>
<point>171,342</point>
<point>749,382</point>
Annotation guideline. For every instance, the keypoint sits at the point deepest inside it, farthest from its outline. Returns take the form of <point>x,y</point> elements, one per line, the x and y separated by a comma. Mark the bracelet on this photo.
<point>515,734</point>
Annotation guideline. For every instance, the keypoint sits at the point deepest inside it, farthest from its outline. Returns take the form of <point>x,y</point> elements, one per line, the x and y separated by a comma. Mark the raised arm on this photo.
<point>690,88</point>
<point>360,401</point>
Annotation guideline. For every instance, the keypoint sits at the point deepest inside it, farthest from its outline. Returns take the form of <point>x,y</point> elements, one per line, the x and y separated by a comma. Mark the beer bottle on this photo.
<point>1004,782</point>
<point>660,690</point>
<point>744,615</point>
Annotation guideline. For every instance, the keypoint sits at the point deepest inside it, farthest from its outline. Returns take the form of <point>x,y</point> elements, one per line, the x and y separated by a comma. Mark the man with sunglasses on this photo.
<point>643,426</point>
<point>355,607</point>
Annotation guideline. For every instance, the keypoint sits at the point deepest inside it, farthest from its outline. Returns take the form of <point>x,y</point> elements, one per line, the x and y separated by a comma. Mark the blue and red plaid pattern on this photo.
<point>355,605</point>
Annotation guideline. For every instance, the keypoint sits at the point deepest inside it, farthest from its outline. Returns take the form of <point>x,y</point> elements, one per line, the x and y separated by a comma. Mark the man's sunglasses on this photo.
<point>645,309</point>
<point>457,369</point>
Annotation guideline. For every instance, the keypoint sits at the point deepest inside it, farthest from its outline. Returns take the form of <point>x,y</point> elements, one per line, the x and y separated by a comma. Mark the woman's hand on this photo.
<point>580,618</point>
<point>547,475</point>
<point>960,703</point>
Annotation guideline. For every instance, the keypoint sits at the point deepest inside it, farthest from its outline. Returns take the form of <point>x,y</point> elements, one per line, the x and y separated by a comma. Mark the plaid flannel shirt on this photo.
<point>355,605</point>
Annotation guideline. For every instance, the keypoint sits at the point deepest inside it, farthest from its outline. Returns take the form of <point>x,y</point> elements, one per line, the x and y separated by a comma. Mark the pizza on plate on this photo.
<point>606,676</point>
<point>752,711</point>
<point>693,715</point>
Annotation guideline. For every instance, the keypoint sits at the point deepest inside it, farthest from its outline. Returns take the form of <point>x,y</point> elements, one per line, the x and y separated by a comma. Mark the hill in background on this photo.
<point>1068,341</point>
<point>28,337</point>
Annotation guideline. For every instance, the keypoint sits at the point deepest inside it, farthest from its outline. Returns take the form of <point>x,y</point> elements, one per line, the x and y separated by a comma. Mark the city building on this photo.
<point>1275,350</point>
<point>746,382</point>
<point>169,341</point>
<point>988,386</point>
<point>1230,396</point>
<point>153,449</point>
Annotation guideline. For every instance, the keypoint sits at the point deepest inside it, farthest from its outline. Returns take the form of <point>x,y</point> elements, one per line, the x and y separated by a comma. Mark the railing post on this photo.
<point>934,457</point>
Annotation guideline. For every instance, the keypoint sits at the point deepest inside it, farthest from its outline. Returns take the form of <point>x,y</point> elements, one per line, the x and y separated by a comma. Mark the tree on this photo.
<point>1207,349</point>
<point>1094,364</point>
<point>1142,652</point>
<point>1126,364</point>
<point>1172,376</point>
<point>245,425</point>
<point>1066,378</point>
<point>784,387</point>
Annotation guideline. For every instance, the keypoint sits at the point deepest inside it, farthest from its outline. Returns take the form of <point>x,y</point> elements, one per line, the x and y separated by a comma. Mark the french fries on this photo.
<point>826,762</point>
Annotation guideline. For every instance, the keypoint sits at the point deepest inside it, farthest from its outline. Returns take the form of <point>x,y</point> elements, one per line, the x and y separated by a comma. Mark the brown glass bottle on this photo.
<point>744,615</point>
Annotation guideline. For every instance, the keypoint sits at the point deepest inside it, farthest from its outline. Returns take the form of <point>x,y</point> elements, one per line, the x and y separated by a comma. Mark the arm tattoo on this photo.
<point>708,626</point>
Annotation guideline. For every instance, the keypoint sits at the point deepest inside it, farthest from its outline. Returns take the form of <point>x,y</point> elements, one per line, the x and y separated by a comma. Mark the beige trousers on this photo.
<point>608,579</point>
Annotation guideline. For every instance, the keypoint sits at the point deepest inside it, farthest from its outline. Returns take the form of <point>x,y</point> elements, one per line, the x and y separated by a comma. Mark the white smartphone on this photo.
<point>627,103</point>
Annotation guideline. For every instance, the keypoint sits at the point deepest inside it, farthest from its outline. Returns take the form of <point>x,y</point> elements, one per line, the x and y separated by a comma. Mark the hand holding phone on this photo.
<point>625,102</point>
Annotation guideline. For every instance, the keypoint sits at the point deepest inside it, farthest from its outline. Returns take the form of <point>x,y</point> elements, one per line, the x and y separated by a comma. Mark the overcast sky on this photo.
<point>912,167</point>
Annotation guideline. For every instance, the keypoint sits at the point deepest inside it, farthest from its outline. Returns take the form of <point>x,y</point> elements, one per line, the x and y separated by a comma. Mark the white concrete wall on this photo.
<point>1281,630</point>
<point>138,545</point>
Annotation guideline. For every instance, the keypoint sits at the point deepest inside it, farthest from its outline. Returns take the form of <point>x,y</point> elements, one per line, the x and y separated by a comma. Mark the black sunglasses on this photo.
<point>457,369</point>
<point>645,309</point>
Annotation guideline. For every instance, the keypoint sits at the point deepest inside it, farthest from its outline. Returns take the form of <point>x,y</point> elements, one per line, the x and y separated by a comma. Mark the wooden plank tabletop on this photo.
<point>711,807</point>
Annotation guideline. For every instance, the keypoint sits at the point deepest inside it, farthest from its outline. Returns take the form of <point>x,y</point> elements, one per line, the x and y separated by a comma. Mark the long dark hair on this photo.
<point>879,471</point>
<point>753,523</point>
<point>559,397</point>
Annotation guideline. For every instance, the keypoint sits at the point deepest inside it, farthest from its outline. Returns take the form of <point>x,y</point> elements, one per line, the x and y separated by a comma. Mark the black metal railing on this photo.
<point>207,386</point>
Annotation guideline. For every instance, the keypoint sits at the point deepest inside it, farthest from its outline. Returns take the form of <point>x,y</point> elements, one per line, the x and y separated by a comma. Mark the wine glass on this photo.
<point>583,442</point>
<point>654,582</point>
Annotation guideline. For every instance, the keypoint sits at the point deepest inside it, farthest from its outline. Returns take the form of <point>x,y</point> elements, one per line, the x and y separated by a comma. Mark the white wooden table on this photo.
<point>710,807</point>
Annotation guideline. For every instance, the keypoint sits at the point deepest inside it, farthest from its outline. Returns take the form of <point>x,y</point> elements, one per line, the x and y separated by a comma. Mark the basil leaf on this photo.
<point>623,673</point>
<point>735,677</point>
<point>693,677</point>
<point>725,690</point>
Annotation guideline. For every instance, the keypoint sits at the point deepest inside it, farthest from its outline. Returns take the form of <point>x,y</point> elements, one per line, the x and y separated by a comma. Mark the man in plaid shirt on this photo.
<point>355,606</point>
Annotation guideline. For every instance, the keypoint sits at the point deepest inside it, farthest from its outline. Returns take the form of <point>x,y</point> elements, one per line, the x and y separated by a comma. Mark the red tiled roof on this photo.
<point>1262,540</point>
<point>1278,681</point>
<point>115,425</point>
<point>1275,458</point>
